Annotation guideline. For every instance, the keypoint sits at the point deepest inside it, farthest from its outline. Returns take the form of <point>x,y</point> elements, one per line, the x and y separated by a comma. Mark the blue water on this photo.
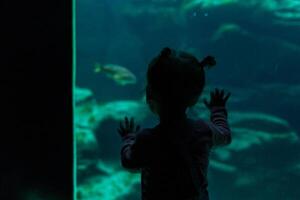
<point>258,54</point>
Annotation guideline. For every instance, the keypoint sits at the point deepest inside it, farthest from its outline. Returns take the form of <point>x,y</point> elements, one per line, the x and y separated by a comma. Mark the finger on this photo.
<point>131,125</point>
<point>126,123</point>
<point>217,92</point>
<point>227,97</point>
<point>122,126</point>
<point>138,127</point>
<point>222,93</point>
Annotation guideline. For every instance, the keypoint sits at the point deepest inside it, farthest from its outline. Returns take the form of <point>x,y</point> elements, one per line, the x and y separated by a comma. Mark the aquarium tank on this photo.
<point>256,44</point>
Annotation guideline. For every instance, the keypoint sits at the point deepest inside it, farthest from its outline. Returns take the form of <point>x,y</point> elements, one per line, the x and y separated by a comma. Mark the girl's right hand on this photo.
<point>217,99</point>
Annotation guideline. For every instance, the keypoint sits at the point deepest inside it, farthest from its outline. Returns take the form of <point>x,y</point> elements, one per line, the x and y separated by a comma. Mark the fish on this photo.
<point>121,75</point>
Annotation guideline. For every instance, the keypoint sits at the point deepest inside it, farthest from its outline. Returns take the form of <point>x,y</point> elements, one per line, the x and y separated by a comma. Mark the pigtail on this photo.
<point>207,62</point>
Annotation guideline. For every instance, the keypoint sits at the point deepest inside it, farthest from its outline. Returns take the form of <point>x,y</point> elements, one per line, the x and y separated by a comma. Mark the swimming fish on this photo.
<point>121,75</point>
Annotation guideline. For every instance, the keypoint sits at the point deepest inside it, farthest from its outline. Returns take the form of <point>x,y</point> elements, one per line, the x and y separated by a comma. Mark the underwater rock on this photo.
<point>222,166</point>
<point>284,94</point>
<point>82,94</point>
<point>84,109</point>
<point>192,4</point>
<point>87,167</point>
<point>287,91</point>
<point>232,31</point>
<point>249,129</point>
<point>117,110</point>
<point>89,115</point>
<point>86,139</point>
<point>286,12</point>
<point>111,187</point>
<point>250,178</point>
<point>161,8</point>
<point>159,12</point>
<point>227,28</point>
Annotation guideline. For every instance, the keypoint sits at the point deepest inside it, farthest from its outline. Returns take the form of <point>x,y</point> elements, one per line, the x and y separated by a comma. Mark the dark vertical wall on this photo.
<point>36,99</point>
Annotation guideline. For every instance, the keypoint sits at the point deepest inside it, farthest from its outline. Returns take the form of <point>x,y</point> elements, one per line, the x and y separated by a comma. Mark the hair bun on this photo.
<point>166,52</point>
<point>208,61</point>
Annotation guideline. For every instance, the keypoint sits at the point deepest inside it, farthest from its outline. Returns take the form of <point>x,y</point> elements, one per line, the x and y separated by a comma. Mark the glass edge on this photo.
<point>73,2</point>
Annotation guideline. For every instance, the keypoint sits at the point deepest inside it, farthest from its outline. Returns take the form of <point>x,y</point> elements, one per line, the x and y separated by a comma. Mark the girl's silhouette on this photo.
<point>174,155</point>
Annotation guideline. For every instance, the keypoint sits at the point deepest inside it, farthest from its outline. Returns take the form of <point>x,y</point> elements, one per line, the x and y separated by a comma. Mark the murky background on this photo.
<point>257,47</point>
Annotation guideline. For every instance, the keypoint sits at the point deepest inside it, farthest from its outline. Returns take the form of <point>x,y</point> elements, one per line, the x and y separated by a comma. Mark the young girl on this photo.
<point>173,156</point>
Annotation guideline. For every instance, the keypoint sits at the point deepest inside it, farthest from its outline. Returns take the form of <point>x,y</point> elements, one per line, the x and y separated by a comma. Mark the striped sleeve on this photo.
<point>221,134</point>
<point>135,150</point>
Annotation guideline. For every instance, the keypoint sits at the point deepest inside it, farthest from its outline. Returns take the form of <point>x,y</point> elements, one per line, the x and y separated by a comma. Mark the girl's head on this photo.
<point>175,80</point>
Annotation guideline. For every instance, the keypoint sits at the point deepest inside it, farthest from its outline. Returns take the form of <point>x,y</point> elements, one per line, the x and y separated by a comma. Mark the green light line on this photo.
<point>73,99</point>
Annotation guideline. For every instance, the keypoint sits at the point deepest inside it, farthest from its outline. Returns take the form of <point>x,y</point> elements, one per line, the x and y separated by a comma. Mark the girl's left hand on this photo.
<point>127,127</point>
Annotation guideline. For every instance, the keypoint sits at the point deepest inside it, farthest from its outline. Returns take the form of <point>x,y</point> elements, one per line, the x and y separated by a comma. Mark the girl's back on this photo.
<point>159,153</point>
<point>174,155</point>
<point>167,173</point>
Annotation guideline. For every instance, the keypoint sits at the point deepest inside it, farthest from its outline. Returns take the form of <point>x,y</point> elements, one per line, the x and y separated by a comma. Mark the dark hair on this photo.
<point>176,77</point>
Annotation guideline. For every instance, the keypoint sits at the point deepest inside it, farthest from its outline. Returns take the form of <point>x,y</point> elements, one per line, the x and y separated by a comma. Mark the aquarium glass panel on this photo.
<point>256,45</point>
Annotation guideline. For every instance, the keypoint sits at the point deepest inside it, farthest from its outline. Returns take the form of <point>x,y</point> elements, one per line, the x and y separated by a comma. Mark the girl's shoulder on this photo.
<point>146,133</point>
<point>199,125</point>
<point>200,129</point>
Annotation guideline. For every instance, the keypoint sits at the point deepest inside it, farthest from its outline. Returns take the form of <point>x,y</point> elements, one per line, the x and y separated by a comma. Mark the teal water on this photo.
<point>257,48</point>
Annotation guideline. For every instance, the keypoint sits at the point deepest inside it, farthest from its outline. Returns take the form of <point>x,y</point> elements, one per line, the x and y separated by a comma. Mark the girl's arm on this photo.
<point>130,150</point>
<point>221,134</point>
<point>130,158</point>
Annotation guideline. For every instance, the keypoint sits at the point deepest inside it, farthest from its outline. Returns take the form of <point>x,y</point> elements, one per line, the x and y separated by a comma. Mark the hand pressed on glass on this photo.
<point>217,98</point>
<point>127,127</point>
